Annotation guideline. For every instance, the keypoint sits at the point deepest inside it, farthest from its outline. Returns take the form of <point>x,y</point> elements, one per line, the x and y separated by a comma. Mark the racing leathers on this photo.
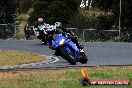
<point>39,30</point>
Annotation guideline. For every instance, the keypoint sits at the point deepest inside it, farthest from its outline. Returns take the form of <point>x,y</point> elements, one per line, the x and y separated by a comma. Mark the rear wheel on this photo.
<point>69,57</point>
<point>83,59</point>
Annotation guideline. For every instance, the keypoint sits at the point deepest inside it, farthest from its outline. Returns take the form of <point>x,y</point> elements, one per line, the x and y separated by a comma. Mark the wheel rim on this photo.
<point>71,56</point>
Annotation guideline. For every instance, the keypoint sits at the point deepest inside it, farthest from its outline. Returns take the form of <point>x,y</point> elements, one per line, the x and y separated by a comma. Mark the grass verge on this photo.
<point>11,58</point>
<point>62,78</point>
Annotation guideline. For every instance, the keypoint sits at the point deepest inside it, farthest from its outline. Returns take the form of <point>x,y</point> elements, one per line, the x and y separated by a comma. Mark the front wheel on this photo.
<point>69,57</point>
<point>44,42</point>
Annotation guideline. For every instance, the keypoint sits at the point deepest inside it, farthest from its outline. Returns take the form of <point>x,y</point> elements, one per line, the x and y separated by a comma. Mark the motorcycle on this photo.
<point>67,49</point>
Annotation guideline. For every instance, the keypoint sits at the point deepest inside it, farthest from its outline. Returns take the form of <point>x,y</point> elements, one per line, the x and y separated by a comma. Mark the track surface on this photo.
<point>98,53</point>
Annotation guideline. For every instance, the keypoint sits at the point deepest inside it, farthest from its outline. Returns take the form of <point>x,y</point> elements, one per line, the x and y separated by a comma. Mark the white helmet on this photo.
<point>58,24</point>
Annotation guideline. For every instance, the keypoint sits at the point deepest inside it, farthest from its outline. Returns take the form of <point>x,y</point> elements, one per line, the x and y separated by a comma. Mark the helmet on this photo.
<point>58,24</point>
<point>40,20</point>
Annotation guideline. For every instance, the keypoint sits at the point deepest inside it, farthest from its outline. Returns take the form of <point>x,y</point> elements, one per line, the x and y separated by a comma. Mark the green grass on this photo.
<point>100,74</point>
<point>62,78</point>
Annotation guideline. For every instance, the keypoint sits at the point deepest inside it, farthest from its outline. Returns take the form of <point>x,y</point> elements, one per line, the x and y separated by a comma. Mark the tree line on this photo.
<point>63,10</point>
<point>70,13</point>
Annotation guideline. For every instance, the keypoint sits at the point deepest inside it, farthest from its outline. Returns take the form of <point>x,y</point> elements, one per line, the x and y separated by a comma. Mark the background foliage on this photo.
<point>96,14</point>
<point>54,10</point>
<point>7,10</point>
<point>22,6</point>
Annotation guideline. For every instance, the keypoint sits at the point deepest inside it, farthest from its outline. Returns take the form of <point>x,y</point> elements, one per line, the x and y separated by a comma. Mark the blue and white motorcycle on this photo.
<point>67,49</point>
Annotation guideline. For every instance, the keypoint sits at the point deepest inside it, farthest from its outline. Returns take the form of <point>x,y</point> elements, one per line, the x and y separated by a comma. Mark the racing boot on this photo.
<point>41,41</point>
<point>81,48</point>
<point>82,57</point>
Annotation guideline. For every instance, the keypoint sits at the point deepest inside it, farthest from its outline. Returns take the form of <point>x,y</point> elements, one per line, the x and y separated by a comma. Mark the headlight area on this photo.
<point>62,42</point>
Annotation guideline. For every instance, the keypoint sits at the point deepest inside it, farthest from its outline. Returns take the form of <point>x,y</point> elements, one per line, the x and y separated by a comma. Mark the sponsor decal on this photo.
<point>84,80</point>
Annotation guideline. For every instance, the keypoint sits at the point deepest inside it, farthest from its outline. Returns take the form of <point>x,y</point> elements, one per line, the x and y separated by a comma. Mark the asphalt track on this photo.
<point>99,53</point>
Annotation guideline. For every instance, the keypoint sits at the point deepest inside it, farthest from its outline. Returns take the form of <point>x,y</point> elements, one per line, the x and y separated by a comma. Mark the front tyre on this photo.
<point>69,57</point>
<point>44,42</point>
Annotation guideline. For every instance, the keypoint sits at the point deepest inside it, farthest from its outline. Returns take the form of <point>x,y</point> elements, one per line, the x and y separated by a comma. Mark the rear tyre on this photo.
<point>84,59</point>
<point>69,57</point>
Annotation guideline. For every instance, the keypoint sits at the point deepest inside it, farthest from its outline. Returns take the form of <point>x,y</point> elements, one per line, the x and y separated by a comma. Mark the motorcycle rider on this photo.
<point>39,24</point>
<point>63,30</point>
<point>38,27</point>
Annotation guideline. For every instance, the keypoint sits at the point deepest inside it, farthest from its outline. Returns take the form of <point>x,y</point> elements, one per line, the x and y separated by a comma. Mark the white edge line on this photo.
<point>56,59</point>
<point>33,64</point>
<point>10,67</point>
